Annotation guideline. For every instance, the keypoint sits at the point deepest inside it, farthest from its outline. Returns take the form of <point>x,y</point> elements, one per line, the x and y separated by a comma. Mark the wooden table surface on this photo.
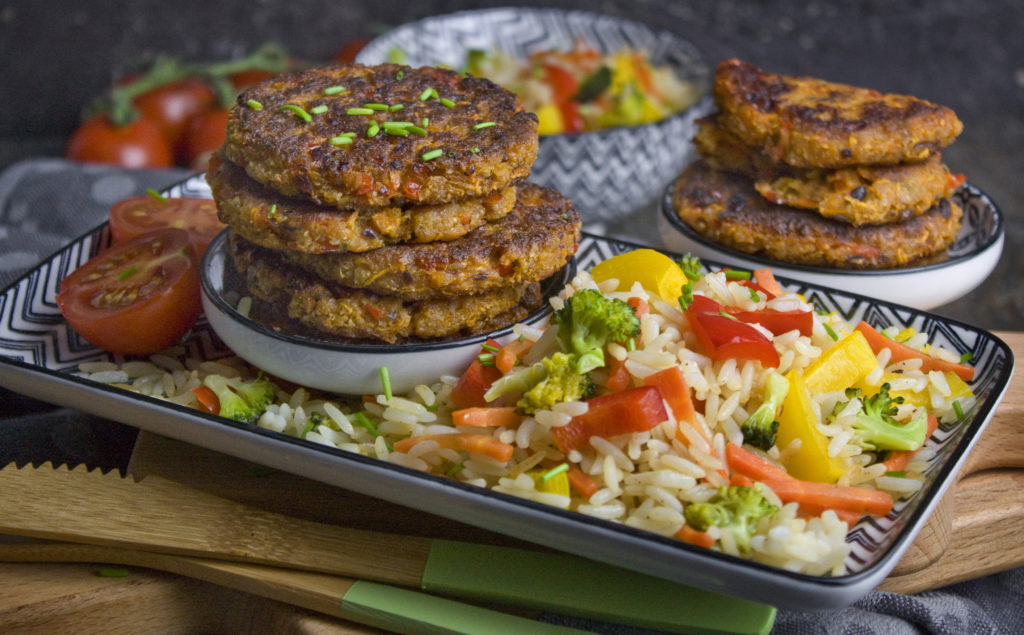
<point>974,532</point>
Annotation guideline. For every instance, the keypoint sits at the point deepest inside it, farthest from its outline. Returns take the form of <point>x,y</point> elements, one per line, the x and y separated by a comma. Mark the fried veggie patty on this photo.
<point>330,309</point>
<point>267,218</point>
<point>724,207</point>
<point>536,239</point>
<point>811,123</point>
<point>858,195</point>
<point>383,121</point>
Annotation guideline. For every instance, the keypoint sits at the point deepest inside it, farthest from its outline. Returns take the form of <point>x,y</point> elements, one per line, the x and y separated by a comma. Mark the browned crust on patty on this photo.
<point>812,123</point>
<point>272,220</point>
<point>296,158</point>
<point>858,195</point>
<point>536,239</point>
<point>725,208</point>
<point>336,311</point>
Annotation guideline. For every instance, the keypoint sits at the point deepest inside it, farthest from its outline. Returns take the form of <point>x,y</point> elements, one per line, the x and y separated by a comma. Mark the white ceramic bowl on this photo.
<point>607,173</point>
<point>330,365</point>
<point>971,259</point>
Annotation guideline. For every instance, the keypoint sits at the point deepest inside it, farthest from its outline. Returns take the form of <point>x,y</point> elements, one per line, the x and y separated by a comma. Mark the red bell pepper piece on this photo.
<point>632,410</point>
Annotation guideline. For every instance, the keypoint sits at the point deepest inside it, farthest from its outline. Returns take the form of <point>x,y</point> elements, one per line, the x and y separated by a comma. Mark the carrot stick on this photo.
<point>845,515</point>
<point>789,489</point>
<point>741,480</point>
<point>901,352</point>
<point>696,537</point>
<point>582,483</point>
<point>483,417</point>
<point>618,377</point>
<point>464,441</point>
<point>899,459</point>
<point>640,307</point>
<point>766,279</point>
<point>676,393</point>
<point>510,354</point>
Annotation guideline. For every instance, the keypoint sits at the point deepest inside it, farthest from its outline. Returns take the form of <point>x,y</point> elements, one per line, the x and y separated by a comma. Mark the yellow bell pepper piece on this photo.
<point>842,365</point>
<point>557,484</point>
<point>656,272</point>
<point>549,120</point>
<point>798,420</point>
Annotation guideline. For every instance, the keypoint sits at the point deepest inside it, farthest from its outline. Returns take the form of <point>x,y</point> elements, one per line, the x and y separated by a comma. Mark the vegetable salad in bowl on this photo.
<point>709,406</point>
<point>582,89</point>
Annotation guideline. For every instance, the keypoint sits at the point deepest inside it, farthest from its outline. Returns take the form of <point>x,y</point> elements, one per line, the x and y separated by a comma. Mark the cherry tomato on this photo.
<point>347,52</point>
<point>204,135</point>
<point>138,215</point>
<point>136,145</point>
<point>137,297</point>
<point>170,105</point>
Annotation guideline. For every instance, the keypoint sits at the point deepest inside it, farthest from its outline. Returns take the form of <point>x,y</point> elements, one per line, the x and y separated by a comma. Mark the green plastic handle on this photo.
<point>404,611</point>
<point>571,585</point>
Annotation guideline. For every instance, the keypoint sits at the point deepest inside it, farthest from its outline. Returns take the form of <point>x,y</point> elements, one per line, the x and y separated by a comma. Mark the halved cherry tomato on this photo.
<point>136,297</point>
<point>138,215</point>
<point>171,105</point>
<point>724,337</point>
<point>136,145</point>
<point>204,135</point>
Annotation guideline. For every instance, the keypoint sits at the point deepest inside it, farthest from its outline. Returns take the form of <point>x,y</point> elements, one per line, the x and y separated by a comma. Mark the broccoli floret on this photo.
<point>589,321</point>
<point>736,509</point>
<point>875,426</point>
<point>760,428</point>
<point>690,265</point>
<point>241,400</point>
<point>543,384</point>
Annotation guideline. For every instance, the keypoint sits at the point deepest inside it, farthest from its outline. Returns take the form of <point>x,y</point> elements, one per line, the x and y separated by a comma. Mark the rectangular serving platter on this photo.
<point>40,354</point>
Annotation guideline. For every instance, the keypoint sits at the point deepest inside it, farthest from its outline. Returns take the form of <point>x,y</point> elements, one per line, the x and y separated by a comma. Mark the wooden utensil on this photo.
<point>159,515</point>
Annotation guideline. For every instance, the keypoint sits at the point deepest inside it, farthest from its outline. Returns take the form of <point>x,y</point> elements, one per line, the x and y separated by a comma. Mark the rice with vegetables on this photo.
<point>692,465</point>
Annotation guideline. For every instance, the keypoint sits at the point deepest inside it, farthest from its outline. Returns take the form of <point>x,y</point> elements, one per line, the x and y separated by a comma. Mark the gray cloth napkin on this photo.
<point>46,203</point>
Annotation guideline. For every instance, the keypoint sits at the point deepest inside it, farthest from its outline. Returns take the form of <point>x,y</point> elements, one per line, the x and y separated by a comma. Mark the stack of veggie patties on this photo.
<point>811,172</point>
<point>387,203</point>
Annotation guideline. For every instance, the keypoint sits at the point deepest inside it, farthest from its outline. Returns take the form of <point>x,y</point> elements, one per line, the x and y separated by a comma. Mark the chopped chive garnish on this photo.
<point>447,102</point>
<point>754,296</point>
<point>273,211</point>
<point>372,130</point>
<point>298,111</point>
<point>127,272</point>
<point>396,124</point>
<point>417,131</point>
<point>400,75</point>
<point>424,122</point>
<point>395,107</point>
<point>309,428</point>
<point>112,572</point>
<point>831,333</point>
<point>458,467</point>
<point>485,124</point>
<point>359,111</point>
<point>474,150</point>
<point>553,472</point>
<point>434,407</point>
<point>433,154</point>
<point>341,140</point>
<point>735,274</point>
<point>728,315</point>
<point>897,473</point>
<point>631,345</point>
<point>487,359</point>
<point>488,347</point>
<point>397,132</point>
<point>426,94</point>
<point>958,409</point>
<point>318,110</point>
<point>157,195</point>
<point>376,106</point>
<point>967,357</point>
<point>360,419</point>
<point>334,90</point>
<point>255,105</point>
<point>385,381</point>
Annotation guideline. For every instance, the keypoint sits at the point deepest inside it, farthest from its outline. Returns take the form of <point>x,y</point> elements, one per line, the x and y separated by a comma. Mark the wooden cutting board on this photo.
<point>974,532</point>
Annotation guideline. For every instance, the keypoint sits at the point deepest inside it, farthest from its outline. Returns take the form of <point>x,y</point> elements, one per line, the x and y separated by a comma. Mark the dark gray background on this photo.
<point>968,55</point>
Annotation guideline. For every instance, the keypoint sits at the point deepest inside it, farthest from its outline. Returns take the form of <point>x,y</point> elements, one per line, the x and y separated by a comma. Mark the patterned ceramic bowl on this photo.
<point>352,368</point>
<point>608,173</point>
